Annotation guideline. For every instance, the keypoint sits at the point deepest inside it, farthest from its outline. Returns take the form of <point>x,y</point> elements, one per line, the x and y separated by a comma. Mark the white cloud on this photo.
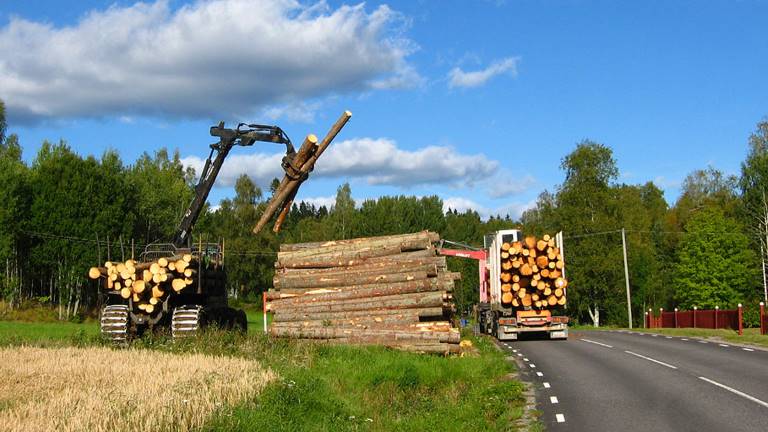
<point>212,59</point>
<point>461,204</point>
<point>506,184</point>
<point>378,161</point>
<point>300,112</point>
<point>459,78</point>
<point>327,201</point>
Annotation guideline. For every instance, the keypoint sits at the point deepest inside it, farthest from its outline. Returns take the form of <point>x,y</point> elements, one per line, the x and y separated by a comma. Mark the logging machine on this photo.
<point>181,284</point>
<point>505,312</point>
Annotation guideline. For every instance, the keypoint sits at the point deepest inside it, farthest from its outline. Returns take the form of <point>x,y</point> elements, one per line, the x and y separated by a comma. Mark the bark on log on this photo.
<point>350,278</point>
<point>439,262</point>
<point>294,247</point>
<point>370,291</point>
<point>390,335</point>
<point>402,301</point>
<point>287,186</point>
<point>429,312</point>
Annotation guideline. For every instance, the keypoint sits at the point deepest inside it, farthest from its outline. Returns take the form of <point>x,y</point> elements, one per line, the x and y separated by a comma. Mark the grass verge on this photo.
<point>751,336</point>
<point>15,332</point>
<point>324,387</point>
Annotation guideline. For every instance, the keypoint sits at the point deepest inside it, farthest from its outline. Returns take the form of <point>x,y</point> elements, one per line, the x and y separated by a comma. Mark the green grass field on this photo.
<point>324,387</point>
<point>22,331</point>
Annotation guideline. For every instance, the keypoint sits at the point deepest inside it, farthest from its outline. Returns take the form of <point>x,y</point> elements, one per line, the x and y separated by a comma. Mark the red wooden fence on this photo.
<point>706,318</point>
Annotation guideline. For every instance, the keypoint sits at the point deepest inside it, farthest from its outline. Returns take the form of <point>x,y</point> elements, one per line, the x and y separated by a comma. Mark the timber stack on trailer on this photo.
<point>148,283</point>
<point>531,273</point>
<point>392,290</point>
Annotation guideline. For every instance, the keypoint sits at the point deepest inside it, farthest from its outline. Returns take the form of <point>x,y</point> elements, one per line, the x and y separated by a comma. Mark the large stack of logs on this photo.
<point>532,274</point>
<point>392,291</point>
<point>147,283</point>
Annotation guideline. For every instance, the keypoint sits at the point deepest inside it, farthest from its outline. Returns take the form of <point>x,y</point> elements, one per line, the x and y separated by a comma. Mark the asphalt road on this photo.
<point>622,381</point>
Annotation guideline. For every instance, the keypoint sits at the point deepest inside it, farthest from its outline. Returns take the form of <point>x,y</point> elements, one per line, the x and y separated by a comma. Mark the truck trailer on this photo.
<point>522,284</point>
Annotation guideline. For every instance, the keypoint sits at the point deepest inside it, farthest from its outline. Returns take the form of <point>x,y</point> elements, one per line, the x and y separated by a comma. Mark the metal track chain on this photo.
<point>185,321</point>
<point>114,323</point>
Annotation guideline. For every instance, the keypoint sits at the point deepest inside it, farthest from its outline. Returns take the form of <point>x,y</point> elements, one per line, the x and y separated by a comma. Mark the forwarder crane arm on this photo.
<point>467,251</point>
<point>243,135</point>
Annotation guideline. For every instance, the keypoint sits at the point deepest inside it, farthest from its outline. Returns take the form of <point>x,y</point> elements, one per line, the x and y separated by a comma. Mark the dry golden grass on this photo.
<point>103,389</point>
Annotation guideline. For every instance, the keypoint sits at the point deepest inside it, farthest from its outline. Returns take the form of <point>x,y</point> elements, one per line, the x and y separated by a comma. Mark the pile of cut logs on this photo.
<point>147,283</point>
<point>532,273</point>
<point>393,291</point>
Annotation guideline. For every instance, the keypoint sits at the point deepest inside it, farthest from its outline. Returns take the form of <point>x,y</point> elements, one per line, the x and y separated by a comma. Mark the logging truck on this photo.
<point>522,282</point>
<point>181,284</point>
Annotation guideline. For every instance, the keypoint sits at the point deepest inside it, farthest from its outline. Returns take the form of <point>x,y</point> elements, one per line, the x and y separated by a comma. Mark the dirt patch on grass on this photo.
<point>104,389</point>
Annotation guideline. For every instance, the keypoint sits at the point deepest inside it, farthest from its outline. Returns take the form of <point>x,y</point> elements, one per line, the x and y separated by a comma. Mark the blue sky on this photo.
<point>476,101</point>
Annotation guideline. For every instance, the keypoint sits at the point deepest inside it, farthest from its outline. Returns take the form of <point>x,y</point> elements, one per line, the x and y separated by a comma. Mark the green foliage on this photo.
<point>162,190</point>
<point>715,266</point>
<point>3,123</point>
<point>343,212</point>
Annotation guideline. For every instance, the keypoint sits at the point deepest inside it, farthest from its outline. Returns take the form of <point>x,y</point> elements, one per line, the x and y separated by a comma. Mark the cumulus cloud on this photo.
<point>379,161</point>
<point>462,204</point>
<point>459,78</point>
<point>211,59</point>
<point>327,201</point>
<point>506,185</point>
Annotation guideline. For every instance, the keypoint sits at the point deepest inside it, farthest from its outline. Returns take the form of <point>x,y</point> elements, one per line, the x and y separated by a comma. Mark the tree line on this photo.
<point>63,213</point>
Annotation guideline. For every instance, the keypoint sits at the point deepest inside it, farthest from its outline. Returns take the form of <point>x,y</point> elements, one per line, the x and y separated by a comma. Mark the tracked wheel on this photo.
<point>186,321</point>
<point>114,323</point>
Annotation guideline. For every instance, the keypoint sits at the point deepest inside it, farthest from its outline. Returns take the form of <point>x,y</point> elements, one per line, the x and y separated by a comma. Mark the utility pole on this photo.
<point>765,286</point>
<point>626,277</point>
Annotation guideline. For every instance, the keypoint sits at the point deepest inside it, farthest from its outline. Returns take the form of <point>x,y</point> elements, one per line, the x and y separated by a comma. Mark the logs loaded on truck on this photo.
<point>522,282</point>
<point>392,290</point>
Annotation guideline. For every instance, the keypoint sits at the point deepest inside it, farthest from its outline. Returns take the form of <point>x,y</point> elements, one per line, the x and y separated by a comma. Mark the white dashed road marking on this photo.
<point>546,385</point>
<point>669,337</point>
<point>533,366</point>
<point>685,339</point>
<point>734,391</point>
<point>597,343</point>
<point>650,359</point>
<point>553,399</point>
<point>539,374</point>
<point>724,345</point>
<point>560,418</point>
<point>525,359</point>
<point>747,349</point>
<point>703,342</point>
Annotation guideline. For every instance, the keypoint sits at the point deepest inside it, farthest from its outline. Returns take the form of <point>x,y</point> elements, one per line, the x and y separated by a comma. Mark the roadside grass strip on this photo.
<point>104,389</point>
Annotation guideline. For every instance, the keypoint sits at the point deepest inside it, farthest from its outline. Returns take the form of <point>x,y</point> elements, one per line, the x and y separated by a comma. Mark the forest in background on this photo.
<point>63,213</point>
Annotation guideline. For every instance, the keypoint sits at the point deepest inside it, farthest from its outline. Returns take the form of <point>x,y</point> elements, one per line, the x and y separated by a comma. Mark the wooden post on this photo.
<point>650,318</point>
<point>717,308</point>
<point>645,322</point>
<point>676,318</point>
<point>626,277</point>
<point>264,308</point>
<point>741,327</point>
<point>694,316</point>
<point>661,317</point>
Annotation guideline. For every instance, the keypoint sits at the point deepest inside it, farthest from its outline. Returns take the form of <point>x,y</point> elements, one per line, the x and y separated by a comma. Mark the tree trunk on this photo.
<point>595,316</point>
